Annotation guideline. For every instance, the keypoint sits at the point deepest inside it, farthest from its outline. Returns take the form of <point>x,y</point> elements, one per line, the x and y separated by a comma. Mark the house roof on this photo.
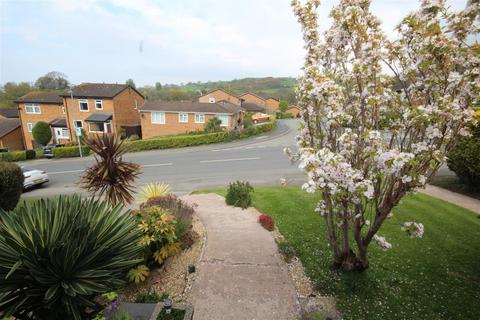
<point>253,94</point>
<point>191,106</point>
<point>98,90</point>
<point>9,113</point>
<point>252,107</point>
<point>270,98</point>
<point>41,97</point>
<point>218,89</point>
<point>293,106</point>
<point>7,125</point>
<point>58,123</point>
<point>99,117</point>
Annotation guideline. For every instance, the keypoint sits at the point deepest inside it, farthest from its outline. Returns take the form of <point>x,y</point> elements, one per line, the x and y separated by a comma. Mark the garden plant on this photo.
<point>367,137</point>
<point>11,185</point>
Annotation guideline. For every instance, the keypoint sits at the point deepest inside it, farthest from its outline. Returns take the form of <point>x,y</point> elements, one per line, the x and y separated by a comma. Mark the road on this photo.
<point>259,160</point>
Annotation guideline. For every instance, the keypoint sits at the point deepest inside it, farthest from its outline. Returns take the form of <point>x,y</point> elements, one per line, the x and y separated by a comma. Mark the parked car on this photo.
<point>33,177</point>
<point>260,117</point>
<point>3,150</point>
<point>48,149</point>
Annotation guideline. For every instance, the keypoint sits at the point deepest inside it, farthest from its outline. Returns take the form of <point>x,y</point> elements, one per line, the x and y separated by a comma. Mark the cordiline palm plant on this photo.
<point>57,255</point>
<point>110,177</point>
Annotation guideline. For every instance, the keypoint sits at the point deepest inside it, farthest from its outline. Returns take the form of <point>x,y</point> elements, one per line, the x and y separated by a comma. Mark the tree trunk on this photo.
<point>349,261</point>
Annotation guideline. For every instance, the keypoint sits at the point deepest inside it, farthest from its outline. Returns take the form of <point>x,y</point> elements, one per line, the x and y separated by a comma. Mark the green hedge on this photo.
<point>69,152</point>
<point>195,140</point>
<point>13,156</point>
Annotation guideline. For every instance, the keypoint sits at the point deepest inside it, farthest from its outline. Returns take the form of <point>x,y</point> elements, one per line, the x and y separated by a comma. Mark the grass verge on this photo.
<point>435,277</point>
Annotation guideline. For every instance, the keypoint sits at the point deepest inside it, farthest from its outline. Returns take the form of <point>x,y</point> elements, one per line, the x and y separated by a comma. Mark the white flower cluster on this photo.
<point>382,242</point>
<point>414,230</point>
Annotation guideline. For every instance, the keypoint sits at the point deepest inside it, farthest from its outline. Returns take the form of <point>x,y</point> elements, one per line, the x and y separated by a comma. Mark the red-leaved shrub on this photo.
<point>266,221</point>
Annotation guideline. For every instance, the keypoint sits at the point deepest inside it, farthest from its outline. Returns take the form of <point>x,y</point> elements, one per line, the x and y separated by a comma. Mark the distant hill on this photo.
<point>280,88</point>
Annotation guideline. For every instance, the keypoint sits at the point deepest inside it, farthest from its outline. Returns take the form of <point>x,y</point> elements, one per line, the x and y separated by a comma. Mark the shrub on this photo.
<point>159,239</point>
<point>13,156</point>
<point>120,314</point>
<point>133,137</point>
<point>30,154</point>
<point>287,250</point>
<point>58,254</point>
<point>284,115</point>
<point>70,152</point>
<point>283,105</point>
<point>174,142</point>
<point>11,185</point>
<point>153,190</point>
<point>266,221</point>
<point>181,210</point>
<point>464,159</point>
<point>239,194</point>
<point>110,177</point>
<point>42,133</point>
<point>213,125</point>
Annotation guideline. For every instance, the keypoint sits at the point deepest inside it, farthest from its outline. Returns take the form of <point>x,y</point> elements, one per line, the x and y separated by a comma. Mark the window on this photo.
<point>135,104</point>
<point>183,117</point>
<point>30,126</point>
<point>158,117</point>
<point>98,105</point>
<point>211,100</point>
<point>224,119</point>
<point>62,133</point>
<point>77,124</point>
<point>83,105</point>
<point>96,127</point>
<point>199,118</point>
<point>32,108</point>
<point>63,110</point>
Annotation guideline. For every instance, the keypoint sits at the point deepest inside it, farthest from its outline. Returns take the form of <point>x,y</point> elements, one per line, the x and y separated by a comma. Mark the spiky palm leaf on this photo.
<point>56,255</point>
<point>110,177</point>
<point>153,190</point>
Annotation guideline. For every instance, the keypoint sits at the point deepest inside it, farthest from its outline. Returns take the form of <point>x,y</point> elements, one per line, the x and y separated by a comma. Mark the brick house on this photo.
<point>102,108</point>
<point>172,117</point>
<point>218,95</point>
<point>42,106</point>
<point>10,130</point>
<point>253,98</point>
<point>272,104</point>
<point>294,110</point>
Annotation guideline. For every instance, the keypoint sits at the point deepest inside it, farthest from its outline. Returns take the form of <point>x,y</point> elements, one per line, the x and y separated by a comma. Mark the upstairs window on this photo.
<point>135,104</point>
<point>77,124</point>
<point>30,126</point>
<point>158,117</point>
<point>199,118</point>
<point>183,117</point>
<point>211,100</point>
<point>31,108</point>
<point>98,105</point>
<point>83,105</point>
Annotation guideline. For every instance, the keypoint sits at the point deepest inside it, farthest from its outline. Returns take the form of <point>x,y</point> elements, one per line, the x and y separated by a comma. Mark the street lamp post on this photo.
<point>78,131</point>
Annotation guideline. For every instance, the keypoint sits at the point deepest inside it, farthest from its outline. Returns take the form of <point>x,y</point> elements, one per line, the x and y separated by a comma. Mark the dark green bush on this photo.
<point>70,152</point>
<point>30,154</point>
<point>239,194</point>
<point>213,125</point>
<point>464,159</point>
<point>150,297</point>
<point>42,133</point>
<point>284,115</point>
<point>13,156</point>
<point>287,250</point>
<point>11,185</point>
<point>57,255</point>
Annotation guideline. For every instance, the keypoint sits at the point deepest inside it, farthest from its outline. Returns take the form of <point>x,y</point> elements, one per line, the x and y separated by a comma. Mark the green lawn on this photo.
<point>435,277</point>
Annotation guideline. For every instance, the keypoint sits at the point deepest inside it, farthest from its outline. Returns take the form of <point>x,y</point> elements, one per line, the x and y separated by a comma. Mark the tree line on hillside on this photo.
<point>11,91</point>
<point>279,88</point>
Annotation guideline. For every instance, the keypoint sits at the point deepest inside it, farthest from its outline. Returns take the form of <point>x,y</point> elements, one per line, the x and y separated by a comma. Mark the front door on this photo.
<point>61,133</point>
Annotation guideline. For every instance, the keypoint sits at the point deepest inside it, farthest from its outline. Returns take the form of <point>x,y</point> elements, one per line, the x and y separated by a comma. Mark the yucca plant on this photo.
<point>153,190</point>
<point>57,255</point>
<point>110,177</point>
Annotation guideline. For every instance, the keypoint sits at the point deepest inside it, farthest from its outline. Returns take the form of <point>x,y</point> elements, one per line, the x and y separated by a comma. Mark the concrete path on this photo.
<point>453,197</point>
<point>240,274</point>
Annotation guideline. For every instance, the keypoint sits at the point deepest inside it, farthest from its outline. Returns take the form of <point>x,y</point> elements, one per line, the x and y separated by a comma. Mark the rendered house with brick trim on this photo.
<point>102,108</point>
<point>42,106</point>
<point>160,118</point>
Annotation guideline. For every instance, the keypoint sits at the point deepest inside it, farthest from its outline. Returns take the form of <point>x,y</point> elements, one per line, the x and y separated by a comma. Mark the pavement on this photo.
<point>259,160</point>
<point>461,200</point>
<point>240,275</point>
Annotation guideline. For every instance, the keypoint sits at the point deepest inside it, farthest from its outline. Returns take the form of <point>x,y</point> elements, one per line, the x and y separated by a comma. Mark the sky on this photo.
<point>167,41</point>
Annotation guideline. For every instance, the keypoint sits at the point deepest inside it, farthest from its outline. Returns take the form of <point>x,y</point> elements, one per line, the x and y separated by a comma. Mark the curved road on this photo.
<point>259,160</point>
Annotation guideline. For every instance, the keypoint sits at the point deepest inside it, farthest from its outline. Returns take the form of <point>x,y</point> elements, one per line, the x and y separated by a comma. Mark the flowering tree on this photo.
<point>379,116</point>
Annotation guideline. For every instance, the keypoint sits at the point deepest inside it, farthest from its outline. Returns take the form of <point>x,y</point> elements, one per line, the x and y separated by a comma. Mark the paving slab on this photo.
<point>461,200</point>
<point>240,275</point>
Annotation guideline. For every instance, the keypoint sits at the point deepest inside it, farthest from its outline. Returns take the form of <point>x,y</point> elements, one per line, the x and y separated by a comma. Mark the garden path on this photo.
<point>461,200</point>
<point>240,274</point>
